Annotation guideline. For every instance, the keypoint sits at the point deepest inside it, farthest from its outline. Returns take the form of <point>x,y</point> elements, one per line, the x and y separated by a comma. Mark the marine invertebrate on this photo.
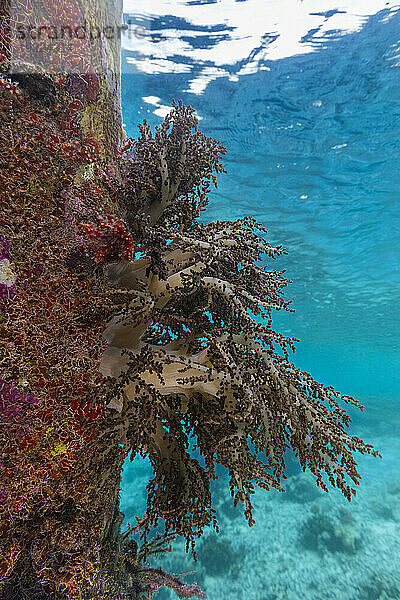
<point>190,359</point>
<point>323,533</point>
<point>14,407</point>
<point>154,579</point>
<point>7,276</point>
<point>217,555</point>
<point>110,240</point>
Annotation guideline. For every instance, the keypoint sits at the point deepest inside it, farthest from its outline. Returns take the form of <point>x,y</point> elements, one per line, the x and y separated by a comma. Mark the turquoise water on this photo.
<point>310,115</point>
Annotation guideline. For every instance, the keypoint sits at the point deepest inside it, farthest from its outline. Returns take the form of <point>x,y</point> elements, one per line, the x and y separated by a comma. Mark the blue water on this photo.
<point>313,141</point>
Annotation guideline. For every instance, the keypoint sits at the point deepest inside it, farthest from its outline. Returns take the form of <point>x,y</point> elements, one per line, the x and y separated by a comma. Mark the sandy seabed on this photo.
<point>306,544</point>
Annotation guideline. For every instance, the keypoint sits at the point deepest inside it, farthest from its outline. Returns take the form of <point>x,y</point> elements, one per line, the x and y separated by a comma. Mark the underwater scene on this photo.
<point>305,95</point>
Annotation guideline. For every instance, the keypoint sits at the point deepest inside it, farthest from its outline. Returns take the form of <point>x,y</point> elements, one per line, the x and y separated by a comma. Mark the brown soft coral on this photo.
<point>189,355</point>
